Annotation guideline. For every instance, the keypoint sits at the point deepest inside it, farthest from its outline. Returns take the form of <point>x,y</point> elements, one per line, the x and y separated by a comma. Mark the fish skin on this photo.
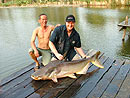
<point>59,69</point>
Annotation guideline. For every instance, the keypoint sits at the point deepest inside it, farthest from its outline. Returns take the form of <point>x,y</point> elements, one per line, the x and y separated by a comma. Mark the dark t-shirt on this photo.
<point>64,43</point>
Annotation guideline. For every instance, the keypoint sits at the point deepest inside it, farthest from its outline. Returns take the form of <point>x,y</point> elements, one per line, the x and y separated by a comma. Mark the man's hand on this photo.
<point>57,25</point>
<point>59,56</point>
<point>85,56</point>
<point>36,53</point>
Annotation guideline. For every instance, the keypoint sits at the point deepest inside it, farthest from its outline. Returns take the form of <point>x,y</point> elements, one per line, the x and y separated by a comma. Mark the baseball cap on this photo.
<point>70,18</point>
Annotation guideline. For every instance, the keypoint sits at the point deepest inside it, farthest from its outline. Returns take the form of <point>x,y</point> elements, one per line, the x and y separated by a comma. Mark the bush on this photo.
<point>7,4</point>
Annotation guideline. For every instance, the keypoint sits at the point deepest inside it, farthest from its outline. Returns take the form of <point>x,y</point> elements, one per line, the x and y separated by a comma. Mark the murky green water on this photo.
<point>97,27</point>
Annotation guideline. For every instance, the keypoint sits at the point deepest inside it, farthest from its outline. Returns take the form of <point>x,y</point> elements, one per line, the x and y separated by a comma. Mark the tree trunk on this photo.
<point>119,2</point>
<point>110,1</point>
<point>35,1</point>
<point>3,1</point>
<point>126,2</point>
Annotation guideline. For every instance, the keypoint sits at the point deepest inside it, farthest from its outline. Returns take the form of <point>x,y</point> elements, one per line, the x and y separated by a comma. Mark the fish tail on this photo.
<point>96,61</point>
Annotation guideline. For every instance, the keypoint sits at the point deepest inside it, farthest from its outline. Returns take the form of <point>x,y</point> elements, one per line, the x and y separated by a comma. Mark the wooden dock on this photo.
<point>111,82</point>
<point>123,26</point>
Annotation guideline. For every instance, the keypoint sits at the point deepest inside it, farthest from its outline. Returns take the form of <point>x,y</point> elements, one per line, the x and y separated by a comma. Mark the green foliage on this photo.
<point>6,4</point>
<point>54,0</point>
<point>16,2</point>
<point>22,2</point>
<point>25,2</point>
<point>88,1</point>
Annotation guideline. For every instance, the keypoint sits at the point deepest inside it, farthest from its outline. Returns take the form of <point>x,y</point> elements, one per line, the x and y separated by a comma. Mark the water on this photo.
<point>97,27</point>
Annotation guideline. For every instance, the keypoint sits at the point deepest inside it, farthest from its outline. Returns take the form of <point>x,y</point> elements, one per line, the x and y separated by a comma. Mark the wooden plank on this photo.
<point>82,79</point>
<point>88,86</point>
<point>127,62</point>
<point>14,89</point>
<point>52,89</point>
<point>62,85</point>
<point>15,82</point>
<point>122,24</point>
<point>12,93</point>
<point>10,85</point>
<point>116,83</point>
<point>124,91</point>
<point>24,89</point>
<point>106,80</point>
<point>17,85</point>
<point>15,75</point>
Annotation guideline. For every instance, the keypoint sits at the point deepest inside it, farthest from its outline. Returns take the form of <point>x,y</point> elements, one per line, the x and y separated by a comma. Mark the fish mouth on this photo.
<point>36,78</point>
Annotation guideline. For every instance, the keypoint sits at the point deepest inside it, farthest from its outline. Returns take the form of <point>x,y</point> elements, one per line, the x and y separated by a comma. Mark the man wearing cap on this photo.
<point>65,40</point>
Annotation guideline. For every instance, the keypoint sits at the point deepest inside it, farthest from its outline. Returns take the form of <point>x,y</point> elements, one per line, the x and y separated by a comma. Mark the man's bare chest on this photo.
<point>44,34</point>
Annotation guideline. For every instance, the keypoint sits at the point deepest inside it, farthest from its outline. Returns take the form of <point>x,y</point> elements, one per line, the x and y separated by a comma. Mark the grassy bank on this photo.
<point>24,3</point>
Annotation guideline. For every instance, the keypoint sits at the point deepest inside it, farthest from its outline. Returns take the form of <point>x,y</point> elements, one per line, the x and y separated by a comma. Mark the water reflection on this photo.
<point>97,27</point>
<point>15,34</point>
<point>125,49</point>
<point>95,19</point>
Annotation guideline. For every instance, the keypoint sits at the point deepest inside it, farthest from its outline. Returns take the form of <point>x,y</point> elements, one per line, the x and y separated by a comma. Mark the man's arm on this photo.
<point>53,49</point>
<point>53,27</point>
<point>33,38</point>
<point>80,51</point>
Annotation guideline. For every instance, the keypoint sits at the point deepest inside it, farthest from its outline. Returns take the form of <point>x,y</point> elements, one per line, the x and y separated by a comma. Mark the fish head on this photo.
<point>46,73</point>
<point>40,75</point>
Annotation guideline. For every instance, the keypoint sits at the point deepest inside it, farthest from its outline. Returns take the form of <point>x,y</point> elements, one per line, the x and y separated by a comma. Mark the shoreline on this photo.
<point>64,5</point>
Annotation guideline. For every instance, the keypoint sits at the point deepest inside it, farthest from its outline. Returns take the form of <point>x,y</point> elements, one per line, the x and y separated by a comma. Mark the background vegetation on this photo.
<point>74,2</point>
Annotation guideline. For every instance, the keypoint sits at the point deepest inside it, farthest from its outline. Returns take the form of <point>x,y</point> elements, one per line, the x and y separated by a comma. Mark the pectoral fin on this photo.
<point>71,76</point>
<point>54,78</point>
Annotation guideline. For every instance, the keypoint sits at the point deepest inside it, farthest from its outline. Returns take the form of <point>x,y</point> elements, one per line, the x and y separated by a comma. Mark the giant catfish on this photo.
<point>59,69</point>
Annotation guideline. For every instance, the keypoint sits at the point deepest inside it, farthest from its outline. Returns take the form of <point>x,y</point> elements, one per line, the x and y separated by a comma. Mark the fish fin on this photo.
<point>84,70</point>
<point>97,63</point>
<point>71,76</point>
<point>54,78</point>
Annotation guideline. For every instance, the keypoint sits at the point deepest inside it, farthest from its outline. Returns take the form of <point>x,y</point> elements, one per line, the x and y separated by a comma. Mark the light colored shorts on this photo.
<point>46,55</point>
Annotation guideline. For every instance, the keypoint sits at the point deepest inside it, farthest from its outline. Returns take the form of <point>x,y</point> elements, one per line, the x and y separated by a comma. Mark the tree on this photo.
<point>3,1</point>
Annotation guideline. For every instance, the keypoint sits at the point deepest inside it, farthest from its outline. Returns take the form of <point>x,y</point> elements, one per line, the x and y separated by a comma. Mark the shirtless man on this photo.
<point>43,33</point>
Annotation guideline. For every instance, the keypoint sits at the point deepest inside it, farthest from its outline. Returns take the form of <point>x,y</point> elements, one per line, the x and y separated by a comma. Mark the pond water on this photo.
<point>97,27</point>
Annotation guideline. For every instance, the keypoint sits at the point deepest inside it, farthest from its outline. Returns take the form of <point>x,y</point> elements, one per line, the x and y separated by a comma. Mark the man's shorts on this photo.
<point>46,55</point>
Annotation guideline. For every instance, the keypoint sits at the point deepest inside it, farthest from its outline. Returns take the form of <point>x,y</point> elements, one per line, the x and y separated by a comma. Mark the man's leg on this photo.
<point>46,57</point>
<point>34,58</point>
<point>32,55</point>
<point>76,57</point>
